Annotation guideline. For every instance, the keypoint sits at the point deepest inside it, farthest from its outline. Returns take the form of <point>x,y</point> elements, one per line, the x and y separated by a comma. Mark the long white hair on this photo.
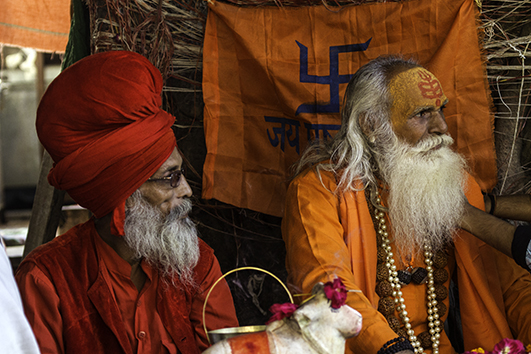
<point>426,184</point>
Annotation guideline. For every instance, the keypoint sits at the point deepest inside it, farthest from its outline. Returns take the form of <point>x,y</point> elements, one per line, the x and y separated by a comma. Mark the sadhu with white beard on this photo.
<point>379,206</point>
<point>133,279</point>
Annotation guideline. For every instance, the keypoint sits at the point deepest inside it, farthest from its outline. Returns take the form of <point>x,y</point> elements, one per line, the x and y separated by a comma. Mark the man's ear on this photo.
<point>128,203</point>
<point>366,126</point>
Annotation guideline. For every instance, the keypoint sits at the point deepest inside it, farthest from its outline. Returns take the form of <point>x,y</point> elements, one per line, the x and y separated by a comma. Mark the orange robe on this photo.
<point>329,235</point>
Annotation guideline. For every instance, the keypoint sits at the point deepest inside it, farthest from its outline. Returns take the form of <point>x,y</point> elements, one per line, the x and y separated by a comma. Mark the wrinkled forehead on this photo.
<point>415,88</point>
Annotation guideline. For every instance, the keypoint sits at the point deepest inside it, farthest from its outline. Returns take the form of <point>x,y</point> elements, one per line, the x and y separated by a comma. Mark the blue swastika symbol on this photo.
<point>333,79</point>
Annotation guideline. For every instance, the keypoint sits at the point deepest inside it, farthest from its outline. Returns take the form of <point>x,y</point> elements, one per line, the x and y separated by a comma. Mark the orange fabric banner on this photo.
<point>39,24</point>
<point>273,79</point>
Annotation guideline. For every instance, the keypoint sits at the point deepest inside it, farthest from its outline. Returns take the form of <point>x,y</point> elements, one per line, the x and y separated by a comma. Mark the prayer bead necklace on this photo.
<point>433,317</point>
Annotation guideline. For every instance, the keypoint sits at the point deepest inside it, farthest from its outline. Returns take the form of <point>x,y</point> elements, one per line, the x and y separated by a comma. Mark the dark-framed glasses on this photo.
<point>174,178</point>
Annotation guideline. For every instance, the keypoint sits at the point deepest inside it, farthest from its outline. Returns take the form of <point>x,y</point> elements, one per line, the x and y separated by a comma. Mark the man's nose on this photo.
<point>438,124</point>
<point>183,189</point>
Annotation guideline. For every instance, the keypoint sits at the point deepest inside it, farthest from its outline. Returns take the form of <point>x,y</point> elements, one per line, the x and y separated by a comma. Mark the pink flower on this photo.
<point>336,292</point>
<point>281,311</point>
<point>509,346</point>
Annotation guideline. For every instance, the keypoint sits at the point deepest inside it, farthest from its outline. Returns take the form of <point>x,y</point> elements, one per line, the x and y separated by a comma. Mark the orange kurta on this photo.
<point>330,235</point>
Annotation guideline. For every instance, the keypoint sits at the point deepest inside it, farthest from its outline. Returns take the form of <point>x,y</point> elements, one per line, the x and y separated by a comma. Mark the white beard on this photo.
<point>169,243</point>
<point>426,197</point>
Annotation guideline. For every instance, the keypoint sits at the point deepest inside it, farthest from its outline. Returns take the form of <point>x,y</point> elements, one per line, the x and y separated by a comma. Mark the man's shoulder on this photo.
<point>206,257</point>
<point>63,245</point>
<point>207,260</point>
<point>204,249</point>
<point>315,177</point>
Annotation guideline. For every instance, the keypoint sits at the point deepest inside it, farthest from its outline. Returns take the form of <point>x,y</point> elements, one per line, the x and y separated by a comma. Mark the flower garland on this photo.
<point>335,291</point>
<point>505,346</point>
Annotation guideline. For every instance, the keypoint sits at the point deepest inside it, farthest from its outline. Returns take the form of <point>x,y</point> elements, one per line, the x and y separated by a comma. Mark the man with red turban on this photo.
<point>133,279</point>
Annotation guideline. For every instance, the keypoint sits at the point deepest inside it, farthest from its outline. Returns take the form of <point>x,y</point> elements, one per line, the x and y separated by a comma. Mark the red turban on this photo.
<point>102,124</point>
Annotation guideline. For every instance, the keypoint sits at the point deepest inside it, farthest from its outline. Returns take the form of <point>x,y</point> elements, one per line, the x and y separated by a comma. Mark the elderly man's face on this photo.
<point>418,102</point>
<point>159,193</point>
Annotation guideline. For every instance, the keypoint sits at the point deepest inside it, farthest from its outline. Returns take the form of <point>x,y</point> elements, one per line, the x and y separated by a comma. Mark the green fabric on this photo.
<point>78,45</point>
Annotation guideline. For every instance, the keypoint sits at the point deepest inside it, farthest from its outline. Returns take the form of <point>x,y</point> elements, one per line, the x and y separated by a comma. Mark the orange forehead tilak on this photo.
<point>412,89</point>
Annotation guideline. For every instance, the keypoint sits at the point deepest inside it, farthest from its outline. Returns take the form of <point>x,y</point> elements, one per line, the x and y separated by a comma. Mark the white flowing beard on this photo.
<point>169,243</point>
<point>426,197</point>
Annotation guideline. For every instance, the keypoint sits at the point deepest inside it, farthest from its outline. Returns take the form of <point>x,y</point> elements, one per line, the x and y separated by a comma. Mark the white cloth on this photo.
<point>16,335</point>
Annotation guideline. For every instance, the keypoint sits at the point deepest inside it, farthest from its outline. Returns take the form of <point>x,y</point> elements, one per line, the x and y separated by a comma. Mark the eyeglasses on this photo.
<point>174,178</point>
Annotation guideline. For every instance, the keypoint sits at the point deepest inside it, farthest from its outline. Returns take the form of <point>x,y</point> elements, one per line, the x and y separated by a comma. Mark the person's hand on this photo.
<point>468,216</point>
<point>513,207</point>
<point>488,228</point>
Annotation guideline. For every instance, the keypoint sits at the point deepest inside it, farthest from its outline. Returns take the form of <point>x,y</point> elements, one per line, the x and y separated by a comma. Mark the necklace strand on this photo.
<point>434,323</point>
